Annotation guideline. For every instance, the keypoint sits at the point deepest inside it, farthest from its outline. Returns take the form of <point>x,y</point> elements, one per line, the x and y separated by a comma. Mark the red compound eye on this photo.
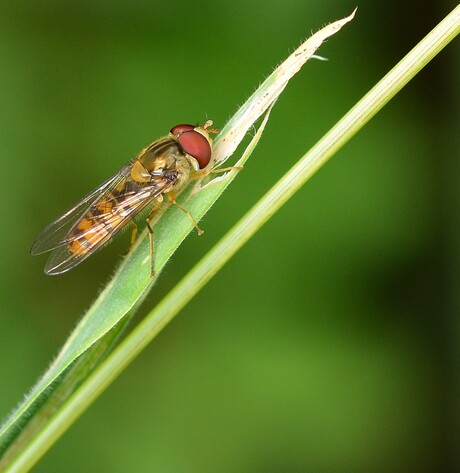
<point>196,145</point>
<point>178,129</point>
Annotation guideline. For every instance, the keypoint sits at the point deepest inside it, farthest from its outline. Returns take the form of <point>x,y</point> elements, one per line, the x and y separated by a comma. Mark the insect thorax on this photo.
<point>167,160</point>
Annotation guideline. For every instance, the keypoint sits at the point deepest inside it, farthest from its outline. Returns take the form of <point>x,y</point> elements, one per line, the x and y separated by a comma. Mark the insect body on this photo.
<point>160,169</point>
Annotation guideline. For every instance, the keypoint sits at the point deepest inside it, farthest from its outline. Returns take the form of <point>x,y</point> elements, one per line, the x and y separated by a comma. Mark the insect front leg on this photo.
<point>197,175</point>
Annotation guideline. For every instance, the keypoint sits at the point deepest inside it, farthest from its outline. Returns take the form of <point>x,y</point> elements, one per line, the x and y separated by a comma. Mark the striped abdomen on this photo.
<point>106,217</point>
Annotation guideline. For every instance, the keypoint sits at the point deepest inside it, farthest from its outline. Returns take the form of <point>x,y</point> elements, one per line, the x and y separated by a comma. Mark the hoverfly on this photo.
<point>162,168</point>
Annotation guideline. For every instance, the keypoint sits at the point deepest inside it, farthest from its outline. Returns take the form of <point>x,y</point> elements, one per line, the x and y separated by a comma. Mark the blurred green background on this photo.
<point>330,342</point>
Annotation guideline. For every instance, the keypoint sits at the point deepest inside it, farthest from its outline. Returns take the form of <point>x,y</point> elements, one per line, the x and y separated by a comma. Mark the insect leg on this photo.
<point>133,234</point>
<point>152,255</point>
<point>204,173</point>
<point>173,200</point>
<point>150,229</point>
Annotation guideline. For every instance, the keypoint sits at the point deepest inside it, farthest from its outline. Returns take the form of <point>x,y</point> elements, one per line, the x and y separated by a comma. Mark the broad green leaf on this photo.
<point>132,279</point>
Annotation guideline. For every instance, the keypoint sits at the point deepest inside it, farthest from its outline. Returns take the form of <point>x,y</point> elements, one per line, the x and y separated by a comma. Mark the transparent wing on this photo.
<point>55,234</point>
<point>103,227</point>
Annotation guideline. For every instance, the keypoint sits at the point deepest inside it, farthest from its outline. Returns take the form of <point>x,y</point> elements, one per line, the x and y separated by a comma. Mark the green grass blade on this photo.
<point>132,280</point>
